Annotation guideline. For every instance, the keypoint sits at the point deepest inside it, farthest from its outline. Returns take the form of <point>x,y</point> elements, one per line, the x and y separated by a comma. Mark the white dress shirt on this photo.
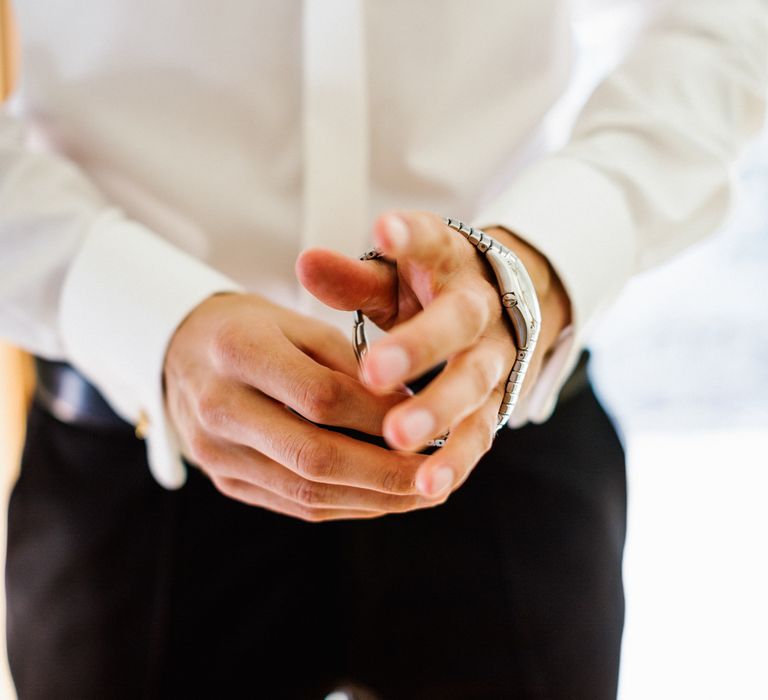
<point>158,151</point>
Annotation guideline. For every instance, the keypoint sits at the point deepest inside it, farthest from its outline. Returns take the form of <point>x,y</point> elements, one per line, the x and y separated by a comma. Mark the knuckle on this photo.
<point>307,493</point>
<point>211,410</point>
<point>201,450</point>
<point>486,436</point>
<point>310,515</point>
<point>227,345</point>
<point>314,457</point>
<point>477,389</point>
<point>319,398</point>
<point>219,483</point>
<point>391,481</point>
<point>422,349</point>
<point>225,486</point>
<point>401,504</point>
<point>492,413</point>
<point>435,502</point>
<point>476,303</point>
<point>484,378</point>
<point>489,293</point>
<point>495,311</point>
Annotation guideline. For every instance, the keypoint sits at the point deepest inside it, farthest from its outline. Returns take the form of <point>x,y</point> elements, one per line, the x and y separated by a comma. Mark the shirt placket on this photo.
<point>335,126</point>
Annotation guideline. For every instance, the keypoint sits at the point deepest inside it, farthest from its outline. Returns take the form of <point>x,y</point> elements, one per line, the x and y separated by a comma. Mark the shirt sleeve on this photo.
<point>80,281</point>
<point>647,170</point>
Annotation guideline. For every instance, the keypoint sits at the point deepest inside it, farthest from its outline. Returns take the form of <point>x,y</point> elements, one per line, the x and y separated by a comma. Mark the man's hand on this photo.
<point>234,365</point>
<point>441,302</point>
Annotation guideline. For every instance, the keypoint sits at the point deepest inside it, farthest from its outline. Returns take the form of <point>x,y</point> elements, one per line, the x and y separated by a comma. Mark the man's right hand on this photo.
<point>234,365</point>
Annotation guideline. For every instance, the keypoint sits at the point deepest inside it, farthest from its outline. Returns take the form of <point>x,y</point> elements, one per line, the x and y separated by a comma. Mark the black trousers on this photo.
<point>512,589</point>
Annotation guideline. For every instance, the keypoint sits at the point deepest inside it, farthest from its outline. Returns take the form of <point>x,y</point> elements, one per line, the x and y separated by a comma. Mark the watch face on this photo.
<point>522,334</point>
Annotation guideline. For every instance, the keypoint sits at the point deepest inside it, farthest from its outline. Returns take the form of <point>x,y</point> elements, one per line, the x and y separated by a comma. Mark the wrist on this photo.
<point>553,299</point>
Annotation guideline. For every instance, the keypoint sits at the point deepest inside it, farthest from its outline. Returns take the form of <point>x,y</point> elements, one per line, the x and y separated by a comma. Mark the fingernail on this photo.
<point>440,480</point>
<point>398,232</point>
<point>387,365</point>
<point>416,426</point>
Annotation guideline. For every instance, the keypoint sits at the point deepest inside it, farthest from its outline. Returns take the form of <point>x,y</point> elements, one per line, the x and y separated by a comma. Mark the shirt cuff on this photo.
<point>125,294</point>
<point>579,220</point>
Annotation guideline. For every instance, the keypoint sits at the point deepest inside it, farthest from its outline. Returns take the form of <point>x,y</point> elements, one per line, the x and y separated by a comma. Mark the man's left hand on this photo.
<point>440,302</point>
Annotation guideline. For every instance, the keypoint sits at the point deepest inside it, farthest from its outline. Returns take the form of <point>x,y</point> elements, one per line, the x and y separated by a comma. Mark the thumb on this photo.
<point>347,284</point>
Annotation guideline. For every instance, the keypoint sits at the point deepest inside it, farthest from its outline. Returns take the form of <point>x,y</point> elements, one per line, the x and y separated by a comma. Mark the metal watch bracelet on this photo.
<point>518,297</point>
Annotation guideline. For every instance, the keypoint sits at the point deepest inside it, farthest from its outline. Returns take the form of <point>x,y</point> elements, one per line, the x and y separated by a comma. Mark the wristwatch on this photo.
<point>518,297</point>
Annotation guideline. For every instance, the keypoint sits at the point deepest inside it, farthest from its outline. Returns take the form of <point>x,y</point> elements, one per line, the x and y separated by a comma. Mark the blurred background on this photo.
<point>681,363</point>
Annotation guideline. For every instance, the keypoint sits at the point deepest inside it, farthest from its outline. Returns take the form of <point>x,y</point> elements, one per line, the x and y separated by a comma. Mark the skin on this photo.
<point>227,396</point>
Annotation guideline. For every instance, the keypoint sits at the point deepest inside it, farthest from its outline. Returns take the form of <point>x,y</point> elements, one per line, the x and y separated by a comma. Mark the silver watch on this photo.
<point>518,297</point>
